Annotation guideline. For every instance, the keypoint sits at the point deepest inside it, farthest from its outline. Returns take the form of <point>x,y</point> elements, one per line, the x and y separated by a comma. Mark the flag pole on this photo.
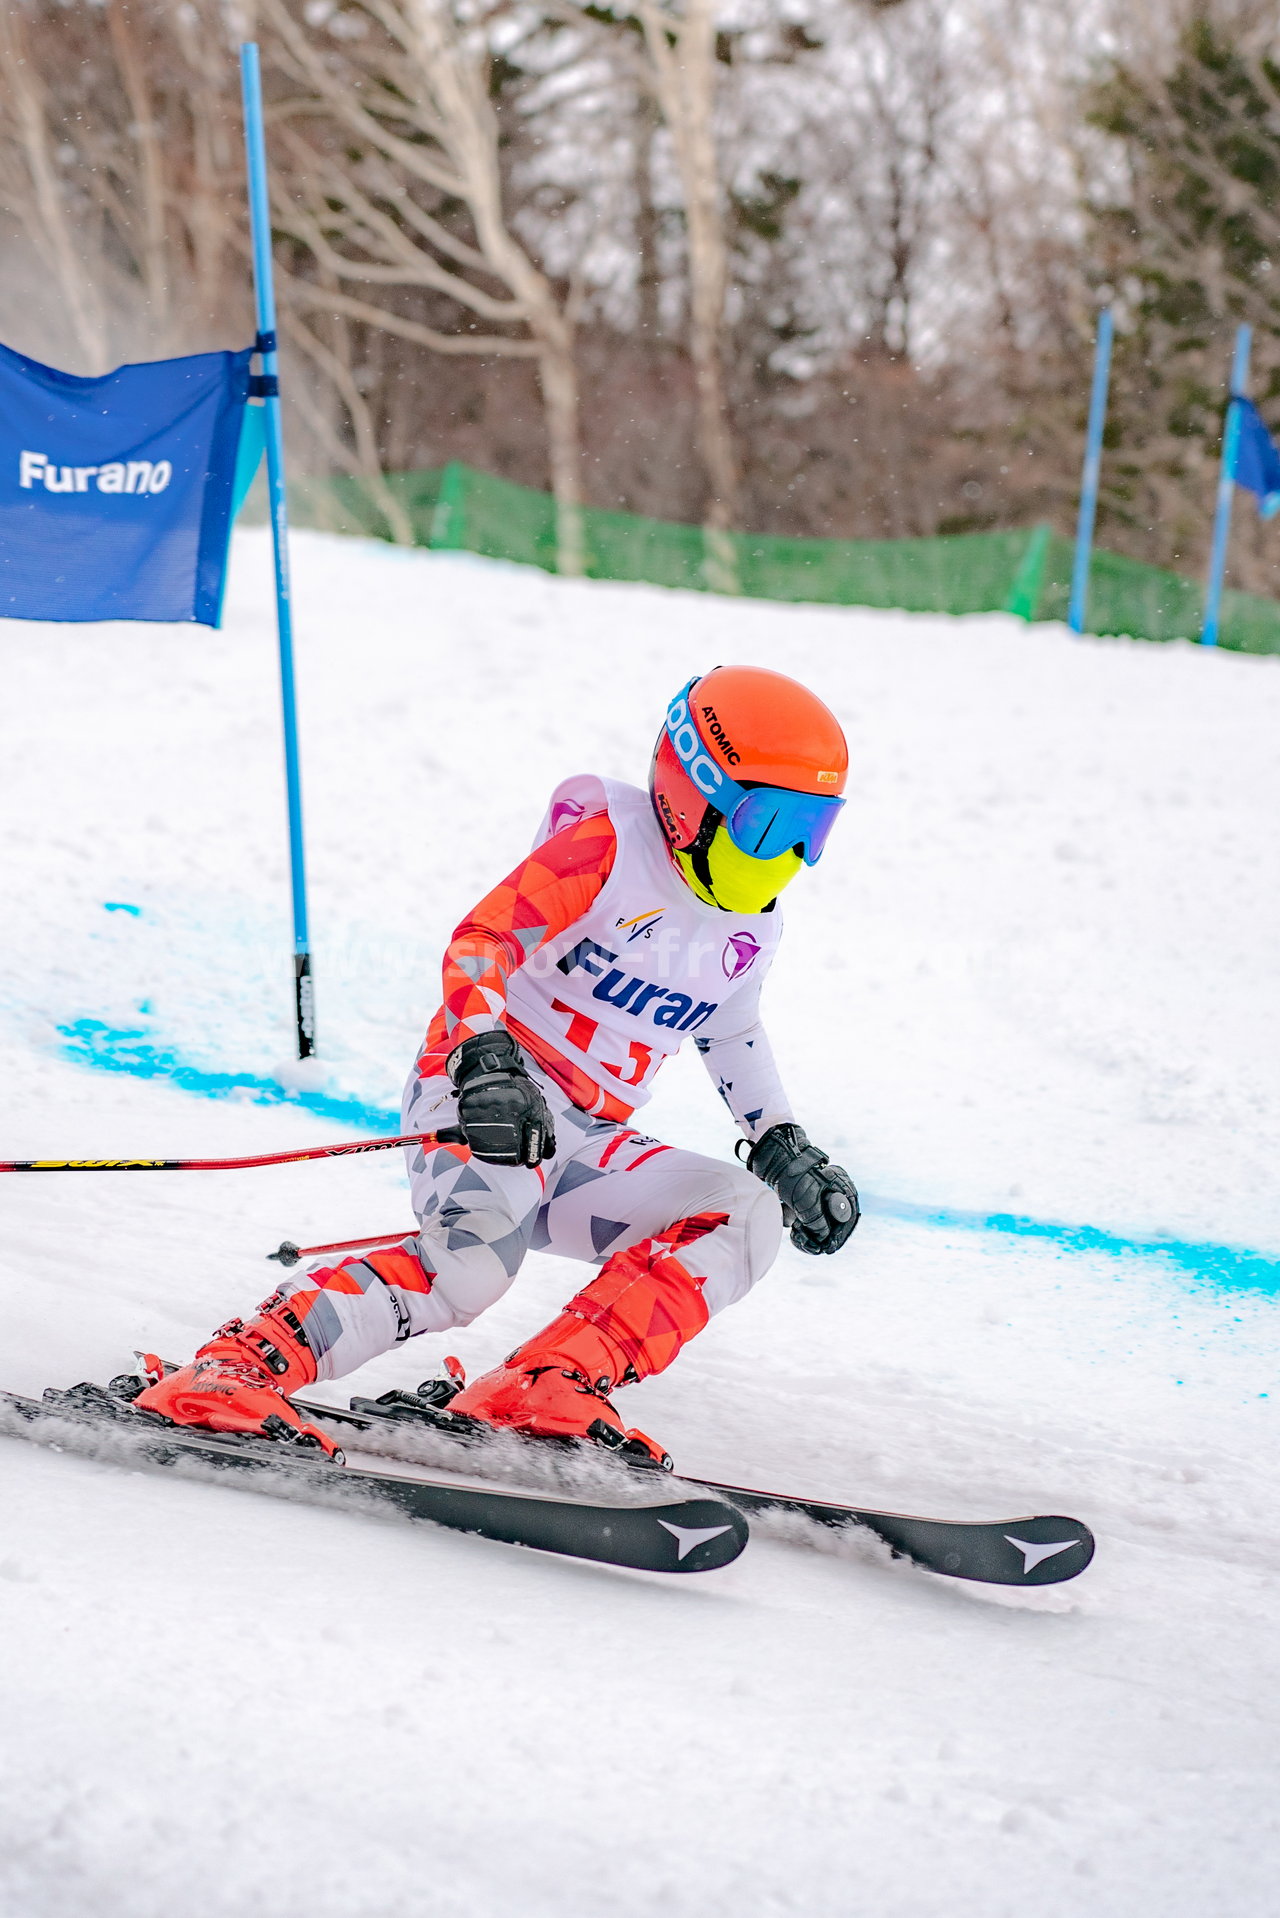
<point>1226,488</point>
<point>1079,603</point>
<point>268,387</point>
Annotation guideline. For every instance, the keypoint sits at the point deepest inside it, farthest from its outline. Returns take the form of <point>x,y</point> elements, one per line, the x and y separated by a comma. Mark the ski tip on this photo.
<point>703,1535</point>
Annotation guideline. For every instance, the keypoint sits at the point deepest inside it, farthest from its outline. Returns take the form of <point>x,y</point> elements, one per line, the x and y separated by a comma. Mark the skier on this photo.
<point>638,919</point>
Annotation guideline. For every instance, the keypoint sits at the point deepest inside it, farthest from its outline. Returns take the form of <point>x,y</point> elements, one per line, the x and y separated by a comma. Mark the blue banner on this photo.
<point>1257,462</point>
<point>116,492</point>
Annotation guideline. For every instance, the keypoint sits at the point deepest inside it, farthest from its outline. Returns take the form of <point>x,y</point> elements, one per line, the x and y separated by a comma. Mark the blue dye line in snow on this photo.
<point>1226,1265</point>
<point>92,1043</point>
<point>122,905</point>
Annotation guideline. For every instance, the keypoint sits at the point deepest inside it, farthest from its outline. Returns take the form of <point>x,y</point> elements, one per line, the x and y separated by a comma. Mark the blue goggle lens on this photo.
<point>769,820</point>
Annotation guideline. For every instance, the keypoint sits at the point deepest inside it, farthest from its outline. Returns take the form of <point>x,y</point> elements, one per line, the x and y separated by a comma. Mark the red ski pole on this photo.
<point>448,1135</point>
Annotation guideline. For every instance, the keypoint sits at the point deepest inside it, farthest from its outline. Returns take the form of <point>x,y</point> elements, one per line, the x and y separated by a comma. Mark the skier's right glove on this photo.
<point>503,1116</point>
<point>820,1198</point>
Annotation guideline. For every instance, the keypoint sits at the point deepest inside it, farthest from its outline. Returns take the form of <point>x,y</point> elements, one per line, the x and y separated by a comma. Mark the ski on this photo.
<point>1040,1550</point>
<point>1046,1549</point>
<point>685,1535</point>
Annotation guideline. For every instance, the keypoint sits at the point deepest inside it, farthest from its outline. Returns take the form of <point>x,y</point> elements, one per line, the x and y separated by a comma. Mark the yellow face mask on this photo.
<point>739,883</point>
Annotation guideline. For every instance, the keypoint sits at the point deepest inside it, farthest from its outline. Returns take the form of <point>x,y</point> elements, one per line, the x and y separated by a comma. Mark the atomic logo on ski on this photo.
<point>687,1536</point>
<point>1034,1555</point>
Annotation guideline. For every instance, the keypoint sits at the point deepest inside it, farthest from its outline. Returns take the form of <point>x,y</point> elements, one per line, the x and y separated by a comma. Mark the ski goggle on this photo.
<point>762,821</point>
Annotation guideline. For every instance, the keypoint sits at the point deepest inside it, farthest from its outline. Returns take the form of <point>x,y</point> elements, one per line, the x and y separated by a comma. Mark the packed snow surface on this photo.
<point>1034,976</point>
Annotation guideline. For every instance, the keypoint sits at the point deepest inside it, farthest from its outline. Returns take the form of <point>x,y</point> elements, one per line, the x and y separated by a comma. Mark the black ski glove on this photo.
<point>819,1200</point>
<point>503,1116</point>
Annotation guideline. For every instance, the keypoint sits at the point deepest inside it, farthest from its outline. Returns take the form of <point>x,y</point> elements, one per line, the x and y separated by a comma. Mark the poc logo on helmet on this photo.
<point>702,770</point>
<point>116,476</point>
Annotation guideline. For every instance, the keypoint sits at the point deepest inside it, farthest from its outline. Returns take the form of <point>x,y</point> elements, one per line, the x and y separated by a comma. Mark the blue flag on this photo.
<point>116,492</point>
<point>1257,461</point>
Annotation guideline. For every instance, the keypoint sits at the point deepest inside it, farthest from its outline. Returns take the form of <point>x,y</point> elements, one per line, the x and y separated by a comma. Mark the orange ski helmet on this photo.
<point>756,752</point>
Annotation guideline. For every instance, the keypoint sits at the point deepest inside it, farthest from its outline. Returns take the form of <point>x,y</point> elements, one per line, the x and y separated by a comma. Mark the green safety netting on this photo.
<point>1027,571</point>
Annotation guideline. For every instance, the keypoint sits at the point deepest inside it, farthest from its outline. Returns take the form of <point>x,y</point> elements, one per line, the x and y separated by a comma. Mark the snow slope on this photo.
<point>1033,979</point>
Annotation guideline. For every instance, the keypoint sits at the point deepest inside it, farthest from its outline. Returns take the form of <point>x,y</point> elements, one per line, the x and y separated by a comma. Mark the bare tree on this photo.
<point>120,162</point>
<point>1190,241</point>
<point>391,180</point>
<point>148,211</point>
<point>33,190</point>
<point>682,56</point>
<point>670,56</point>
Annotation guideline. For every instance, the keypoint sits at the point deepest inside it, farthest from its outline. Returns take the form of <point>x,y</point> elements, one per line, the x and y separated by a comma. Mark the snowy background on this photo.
<point>1029,997</point>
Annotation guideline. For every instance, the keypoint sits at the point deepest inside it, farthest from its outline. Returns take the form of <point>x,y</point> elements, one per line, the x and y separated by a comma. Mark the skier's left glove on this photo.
<point>503,1115</point>
<point>820,1198</point>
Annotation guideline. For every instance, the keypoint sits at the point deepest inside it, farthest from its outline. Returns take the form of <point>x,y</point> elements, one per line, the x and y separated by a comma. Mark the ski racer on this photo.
<point>639,919</point>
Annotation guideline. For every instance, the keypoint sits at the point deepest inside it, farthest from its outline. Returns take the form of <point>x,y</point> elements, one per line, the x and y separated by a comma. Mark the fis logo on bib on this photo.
<point>642,925</point>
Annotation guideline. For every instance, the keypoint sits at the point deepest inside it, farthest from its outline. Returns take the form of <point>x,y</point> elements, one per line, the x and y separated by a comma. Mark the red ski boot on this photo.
<point>629,1323</point>
<point>238,1381</point>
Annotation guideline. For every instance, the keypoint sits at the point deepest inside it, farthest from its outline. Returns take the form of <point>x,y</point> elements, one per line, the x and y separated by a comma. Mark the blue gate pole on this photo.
<point>269,386</point>
<point>1079,604</point>
<point>1226,488</point>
